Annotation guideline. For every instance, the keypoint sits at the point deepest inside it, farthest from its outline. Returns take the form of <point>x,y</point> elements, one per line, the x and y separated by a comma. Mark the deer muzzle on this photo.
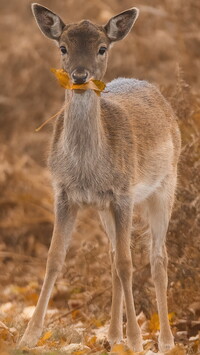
<point>80,75</point>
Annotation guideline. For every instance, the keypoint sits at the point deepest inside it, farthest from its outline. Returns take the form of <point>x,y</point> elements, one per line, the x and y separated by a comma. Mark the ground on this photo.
<point>163,48</point>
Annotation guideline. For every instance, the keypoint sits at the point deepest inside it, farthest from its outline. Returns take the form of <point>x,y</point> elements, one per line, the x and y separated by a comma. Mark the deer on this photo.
<point>115,152</point>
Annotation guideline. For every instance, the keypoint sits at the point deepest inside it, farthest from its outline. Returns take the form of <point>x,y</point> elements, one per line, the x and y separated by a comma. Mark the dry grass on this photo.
<point>164,49</point>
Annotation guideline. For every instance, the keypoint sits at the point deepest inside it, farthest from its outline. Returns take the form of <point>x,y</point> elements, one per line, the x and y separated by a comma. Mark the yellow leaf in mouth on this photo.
<point>62,77</point>
<point>64,80</point>
<point>99,84</point>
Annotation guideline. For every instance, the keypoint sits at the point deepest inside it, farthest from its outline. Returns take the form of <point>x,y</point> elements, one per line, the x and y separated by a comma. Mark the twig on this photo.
<point>50,118</point>
<point>186,322</point>
<point>65,314</point>
<point>21,257</point>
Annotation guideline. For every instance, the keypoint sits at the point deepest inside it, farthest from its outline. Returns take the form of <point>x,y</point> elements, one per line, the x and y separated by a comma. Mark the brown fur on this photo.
<point>114,152</point>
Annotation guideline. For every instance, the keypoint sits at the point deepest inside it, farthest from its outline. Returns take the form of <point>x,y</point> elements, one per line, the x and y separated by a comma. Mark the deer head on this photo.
<point>84,46</point>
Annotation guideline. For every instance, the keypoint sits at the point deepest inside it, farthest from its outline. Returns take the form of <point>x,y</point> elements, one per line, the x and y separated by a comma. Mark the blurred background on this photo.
<point>163,48</point>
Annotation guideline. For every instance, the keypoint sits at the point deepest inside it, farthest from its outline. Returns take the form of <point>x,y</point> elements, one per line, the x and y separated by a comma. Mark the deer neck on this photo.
<point>83,131</point>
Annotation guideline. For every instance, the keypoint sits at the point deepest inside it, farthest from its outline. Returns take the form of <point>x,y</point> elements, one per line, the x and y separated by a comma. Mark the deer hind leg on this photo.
<point>115,334</point>
<point>160,206</point>
<point>122,212</point>
<point>64,220</point>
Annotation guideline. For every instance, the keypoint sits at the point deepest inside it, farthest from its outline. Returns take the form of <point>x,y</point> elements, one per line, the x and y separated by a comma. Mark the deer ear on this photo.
<point>120,25</point>
<point>49,23</point>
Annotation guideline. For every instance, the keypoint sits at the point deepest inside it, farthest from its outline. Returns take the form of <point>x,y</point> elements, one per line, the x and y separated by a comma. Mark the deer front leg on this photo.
<point>115,333</point>
<point>64,220</point>
<point>123,263</point>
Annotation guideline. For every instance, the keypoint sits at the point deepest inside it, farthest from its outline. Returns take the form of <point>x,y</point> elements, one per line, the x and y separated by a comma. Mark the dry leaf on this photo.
<point>62,77</point>
<point>75,314</point>
<point>177,350</point>
<point>171,317</point>
<point>75,349</point>
<point>65,82</point>
<point>28,292</point>
<point>7,335</point>
<point>91,342</point>
<point>44,338</point>
<point>122,350</point>
<point>196,347</point>
<point>97,323</point>
<point>154,323</point>
<point>80,352</point>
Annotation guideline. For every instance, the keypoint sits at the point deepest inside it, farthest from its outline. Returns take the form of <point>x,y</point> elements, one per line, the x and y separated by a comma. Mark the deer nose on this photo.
<point>79,76</point>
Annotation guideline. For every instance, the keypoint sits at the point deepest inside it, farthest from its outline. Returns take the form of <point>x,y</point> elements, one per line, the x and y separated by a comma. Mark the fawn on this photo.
<point>116,151</point>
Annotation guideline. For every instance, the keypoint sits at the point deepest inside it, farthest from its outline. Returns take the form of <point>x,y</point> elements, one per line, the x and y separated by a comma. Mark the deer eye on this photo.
<point>63,49</point>
<point>102,50</point>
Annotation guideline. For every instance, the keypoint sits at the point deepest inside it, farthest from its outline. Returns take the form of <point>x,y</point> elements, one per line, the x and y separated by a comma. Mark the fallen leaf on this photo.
<point>91,342</point>
<point>75,314</point>
<point>154,323</point>
<point>122,350</point>
<point>171,317</point>
<point>44,338</point>
<point>76,349</point>
<point>195,347</point>
<point>97,323</point>
<point>80,352</point>
<point>177,350</point>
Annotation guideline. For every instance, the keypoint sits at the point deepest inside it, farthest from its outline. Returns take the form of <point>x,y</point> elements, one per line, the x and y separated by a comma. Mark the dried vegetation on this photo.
<point>164,48</point>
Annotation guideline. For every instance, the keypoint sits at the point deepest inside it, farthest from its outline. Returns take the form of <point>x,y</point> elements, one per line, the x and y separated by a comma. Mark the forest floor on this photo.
<point>163,48</point>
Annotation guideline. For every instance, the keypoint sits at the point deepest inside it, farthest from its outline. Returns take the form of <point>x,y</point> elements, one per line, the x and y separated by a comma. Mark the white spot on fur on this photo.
<point>143,190</point>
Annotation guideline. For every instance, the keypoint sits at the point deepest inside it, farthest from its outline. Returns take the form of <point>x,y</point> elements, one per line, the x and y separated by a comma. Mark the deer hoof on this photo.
<point>165,344</point>
<point>135,343</point>
<point>30,338</point>
<point>115,336</point>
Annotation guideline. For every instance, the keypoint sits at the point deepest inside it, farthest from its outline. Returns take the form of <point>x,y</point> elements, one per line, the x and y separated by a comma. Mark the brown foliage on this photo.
<point>162,48</point>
